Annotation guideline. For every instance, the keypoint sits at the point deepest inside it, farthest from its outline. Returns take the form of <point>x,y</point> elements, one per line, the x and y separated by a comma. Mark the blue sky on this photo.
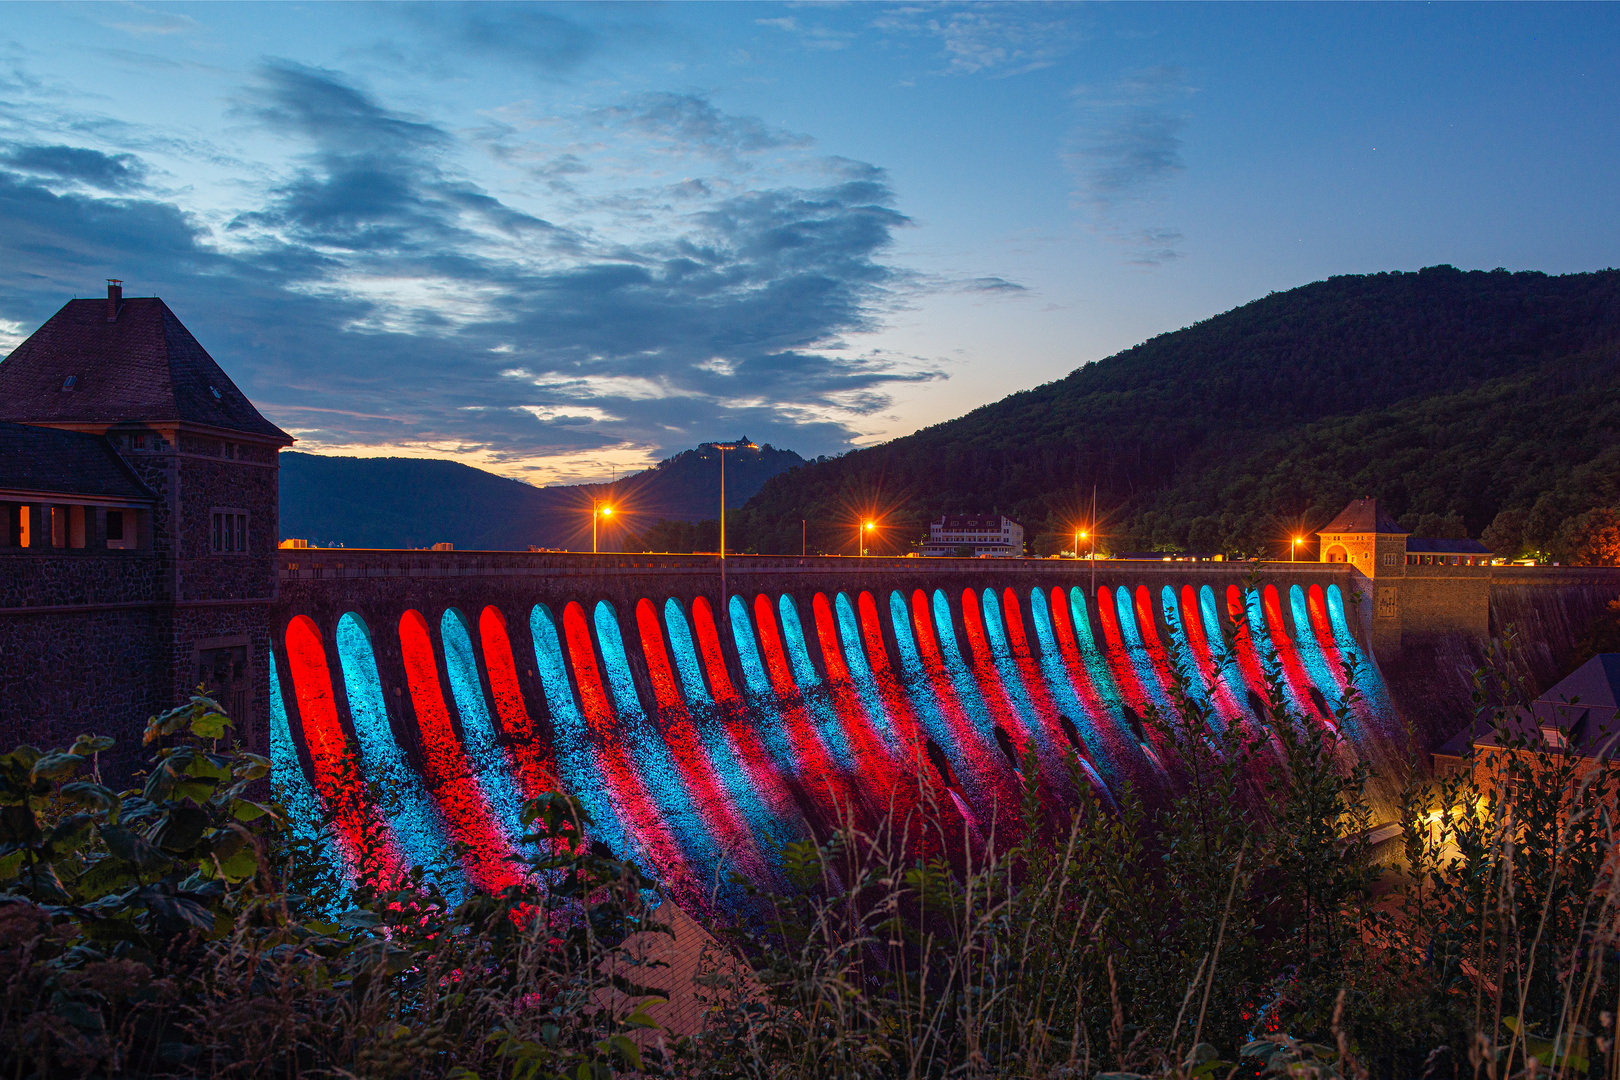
<point>555,241</point>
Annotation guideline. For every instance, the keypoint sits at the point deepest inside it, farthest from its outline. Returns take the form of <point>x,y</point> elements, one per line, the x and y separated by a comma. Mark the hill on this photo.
<point>1455,397</point>
<point>415,502</point>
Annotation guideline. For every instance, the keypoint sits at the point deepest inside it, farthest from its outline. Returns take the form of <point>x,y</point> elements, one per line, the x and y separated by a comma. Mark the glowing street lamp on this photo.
<point>598,512</point>
<point>861,535</point>
<point>1294,551</point>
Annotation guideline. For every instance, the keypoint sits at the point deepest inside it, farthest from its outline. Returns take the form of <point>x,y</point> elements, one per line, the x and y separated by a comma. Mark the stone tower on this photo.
<point>192,572</point>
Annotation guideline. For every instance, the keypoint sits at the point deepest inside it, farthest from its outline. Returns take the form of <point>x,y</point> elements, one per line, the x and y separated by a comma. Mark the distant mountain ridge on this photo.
<point>416,502</point>
<point>1455,398</point>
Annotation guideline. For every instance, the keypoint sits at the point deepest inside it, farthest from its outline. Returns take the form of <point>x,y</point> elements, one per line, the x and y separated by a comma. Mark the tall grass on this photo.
<point>1235,924</point>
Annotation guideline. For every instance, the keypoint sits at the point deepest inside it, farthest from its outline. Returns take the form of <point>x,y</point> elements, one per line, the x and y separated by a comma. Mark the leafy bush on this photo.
<point>1233,923</point>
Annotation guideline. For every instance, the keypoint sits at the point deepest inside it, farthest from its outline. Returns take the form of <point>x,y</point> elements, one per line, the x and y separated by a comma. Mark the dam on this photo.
<point>705,713</point>
<point>700,739</point>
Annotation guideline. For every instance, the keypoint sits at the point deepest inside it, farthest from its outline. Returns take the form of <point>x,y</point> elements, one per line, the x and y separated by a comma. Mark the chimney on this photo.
<point>115,296</point>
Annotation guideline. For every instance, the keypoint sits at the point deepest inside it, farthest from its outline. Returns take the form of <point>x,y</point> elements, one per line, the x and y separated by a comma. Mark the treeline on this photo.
<point>1452,397</point>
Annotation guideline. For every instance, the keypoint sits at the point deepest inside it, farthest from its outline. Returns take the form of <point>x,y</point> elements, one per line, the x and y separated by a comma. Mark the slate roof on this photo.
<point>1423,546</point>
<point>66,462</point>
<point>1590,724</point>
<point>1362,516</point>
<point>144,366</point>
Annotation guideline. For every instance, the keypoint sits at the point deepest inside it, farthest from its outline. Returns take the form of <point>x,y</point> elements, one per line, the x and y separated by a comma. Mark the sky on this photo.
<point>564,241</point>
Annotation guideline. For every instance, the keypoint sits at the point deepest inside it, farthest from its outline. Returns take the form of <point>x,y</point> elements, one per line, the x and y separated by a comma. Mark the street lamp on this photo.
<point>1294,551</point>
<point>860,535</point>
<point>598,511</point>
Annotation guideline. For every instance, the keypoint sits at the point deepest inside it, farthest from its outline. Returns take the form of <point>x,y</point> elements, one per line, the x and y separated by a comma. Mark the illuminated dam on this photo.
<point>456,686</point>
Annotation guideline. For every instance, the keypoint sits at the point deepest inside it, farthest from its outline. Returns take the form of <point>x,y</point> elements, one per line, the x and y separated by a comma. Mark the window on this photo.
<point>230,530</point>
<point>1389,558</point>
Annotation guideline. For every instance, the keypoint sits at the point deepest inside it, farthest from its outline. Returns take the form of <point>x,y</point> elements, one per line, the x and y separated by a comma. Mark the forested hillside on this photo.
<point>414,502</point>
<point>1451,396</point>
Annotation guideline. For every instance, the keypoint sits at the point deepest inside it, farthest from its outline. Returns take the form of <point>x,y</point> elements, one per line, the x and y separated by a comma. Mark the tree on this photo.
<point>1591,539</point>
<point>1505,534</point>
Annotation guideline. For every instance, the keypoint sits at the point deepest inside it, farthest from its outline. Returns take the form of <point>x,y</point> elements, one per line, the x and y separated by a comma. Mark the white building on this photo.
<point>987,535</point>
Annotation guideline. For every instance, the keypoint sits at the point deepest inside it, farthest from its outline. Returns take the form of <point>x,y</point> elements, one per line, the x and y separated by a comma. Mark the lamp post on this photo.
<point>598,511</point>
<point>723,447</point>
<point>1093,599</point>
<point>860,536</point>
<point>1293,552</point>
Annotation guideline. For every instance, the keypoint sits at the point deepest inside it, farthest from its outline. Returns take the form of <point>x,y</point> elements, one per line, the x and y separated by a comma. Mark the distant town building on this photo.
<point>988,535</point>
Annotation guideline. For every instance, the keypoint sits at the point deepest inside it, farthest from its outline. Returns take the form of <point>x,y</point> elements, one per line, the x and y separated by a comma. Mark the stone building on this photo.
<point>1414,586</point>
<point>988,535</point>
<point>139,491</point>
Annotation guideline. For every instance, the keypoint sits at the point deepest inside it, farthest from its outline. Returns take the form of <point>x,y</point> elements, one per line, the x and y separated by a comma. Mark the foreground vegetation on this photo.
<point>1241,928</point>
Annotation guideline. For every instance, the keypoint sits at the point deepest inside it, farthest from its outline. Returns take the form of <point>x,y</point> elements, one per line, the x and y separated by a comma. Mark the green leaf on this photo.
<point>625,1050</point>
<point>240,866</point>
<point>210,725</point>
<point>243,810</point>
<point>198,791</point>
<point>54,766</point>
<point>131,847</point>
<point>180,828</point>
<point>88,745</point>
<point>91,794</point>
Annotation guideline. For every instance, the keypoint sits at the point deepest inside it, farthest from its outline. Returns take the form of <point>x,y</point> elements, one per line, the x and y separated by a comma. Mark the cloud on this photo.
<point>1124,151</point>
<point>992,285</point>
<point>997,41</point>
<point>139,21</point>
<point>370,294</point>
<point>538,38</point>
<point>695,124</point>
<point>810,37</point>
<point>109,172</point>
<point>371,179</point>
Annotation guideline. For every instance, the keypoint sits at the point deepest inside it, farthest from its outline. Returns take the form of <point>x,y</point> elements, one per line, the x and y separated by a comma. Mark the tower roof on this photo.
<point>49,460</point>
<point>1362,516</point>
<point>102,362</point>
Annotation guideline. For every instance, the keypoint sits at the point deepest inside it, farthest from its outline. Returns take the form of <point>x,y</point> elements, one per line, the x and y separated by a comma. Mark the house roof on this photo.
<point>66,463</point>
<point>144,366</point>
<point>1425,546</point>
<point>1584,705</point>
<point>974,521</point>
<point>1362,516</point>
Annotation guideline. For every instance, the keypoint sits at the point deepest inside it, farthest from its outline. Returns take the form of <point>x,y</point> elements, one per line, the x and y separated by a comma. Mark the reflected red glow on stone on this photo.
<point>811,757</point>
<point>449,773</point>
<point>716,808</point>
<point>362,839</point>
<point>630,797</point>
<point>1126,677</point>
<point>530,757</point>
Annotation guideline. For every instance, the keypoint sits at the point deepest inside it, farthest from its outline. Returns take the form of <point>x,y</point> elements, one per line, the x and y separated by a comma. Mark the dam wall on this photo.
<point>701,736</point>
